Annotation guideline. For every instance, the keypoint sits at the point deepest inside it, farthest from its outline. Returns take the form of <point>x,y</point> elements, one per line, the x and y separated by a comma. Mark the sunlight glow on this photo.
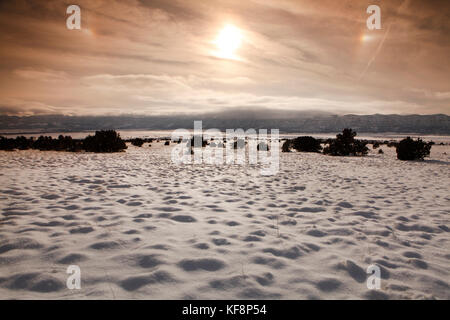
<point>227,42</point>
<point>365,38</point>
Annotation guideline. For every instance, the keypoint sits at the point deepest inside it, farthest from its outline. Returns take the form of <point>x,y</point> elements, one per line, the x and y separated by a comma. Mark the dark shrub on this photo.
<point>7,144</point>
<point>66,143</point>
<point>167,143</point>
<point>376,145</point>
<point>306,144</point>
<point>104,141</point>
<point>197,138</point>
<point>380,151</point>
<point>262,146</point>
<point>239,144</point>
<point>408,149</point>
<point>45,143</point>
<point>286,147</point>
<point>23,143</point>
<point>391,144</point>
<point>77,146</point>
<point>345,144</point>
<point>138,142</point>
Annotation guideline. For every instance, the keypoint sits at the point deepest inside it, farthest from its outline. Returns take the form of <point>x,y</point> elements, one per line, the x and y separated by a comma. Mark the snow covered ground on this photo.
<point>140,227</point>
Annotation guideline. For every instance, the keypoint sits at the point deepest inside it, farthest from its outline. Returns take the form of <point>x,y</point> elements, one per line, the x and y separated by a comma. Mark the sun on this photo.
<point>365,38</point>
<point>228,42</point>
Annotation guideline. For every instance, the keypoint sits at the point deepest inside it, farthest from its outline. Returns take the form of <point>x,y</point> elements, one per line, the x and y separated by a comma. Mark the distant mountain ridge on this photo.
<point>285,122</point>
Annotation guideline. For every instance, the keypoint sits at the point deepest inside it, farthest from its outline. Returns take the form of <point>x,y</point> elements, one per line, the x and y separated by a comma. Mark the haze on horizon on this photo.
<point>180,57</point>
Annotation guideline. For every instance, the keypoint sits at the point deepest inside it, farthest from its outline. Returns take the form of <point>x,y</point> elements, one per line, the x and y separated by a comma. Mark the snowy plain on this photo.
<point>141,227</point>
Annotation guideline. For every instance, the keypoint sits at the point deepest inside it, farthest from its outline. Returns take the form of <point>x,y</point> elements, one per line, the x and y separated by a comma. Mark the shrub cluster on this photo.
<point>345,144</point>
<point>138,142</point>
<point>102,141</point>
<point>286,147</point>
<point>262,146</point>
<point>191,142</point>
<point>306,144</point>
<point>239,144</point>
<point>302,144</point>
<point>409,149</point>
<point>44,143</point>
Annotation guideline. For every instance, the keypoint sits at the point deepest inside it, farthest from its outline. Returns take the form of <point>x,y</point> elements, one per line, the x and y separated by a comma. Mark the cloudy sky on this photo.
<point>196,56</point>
